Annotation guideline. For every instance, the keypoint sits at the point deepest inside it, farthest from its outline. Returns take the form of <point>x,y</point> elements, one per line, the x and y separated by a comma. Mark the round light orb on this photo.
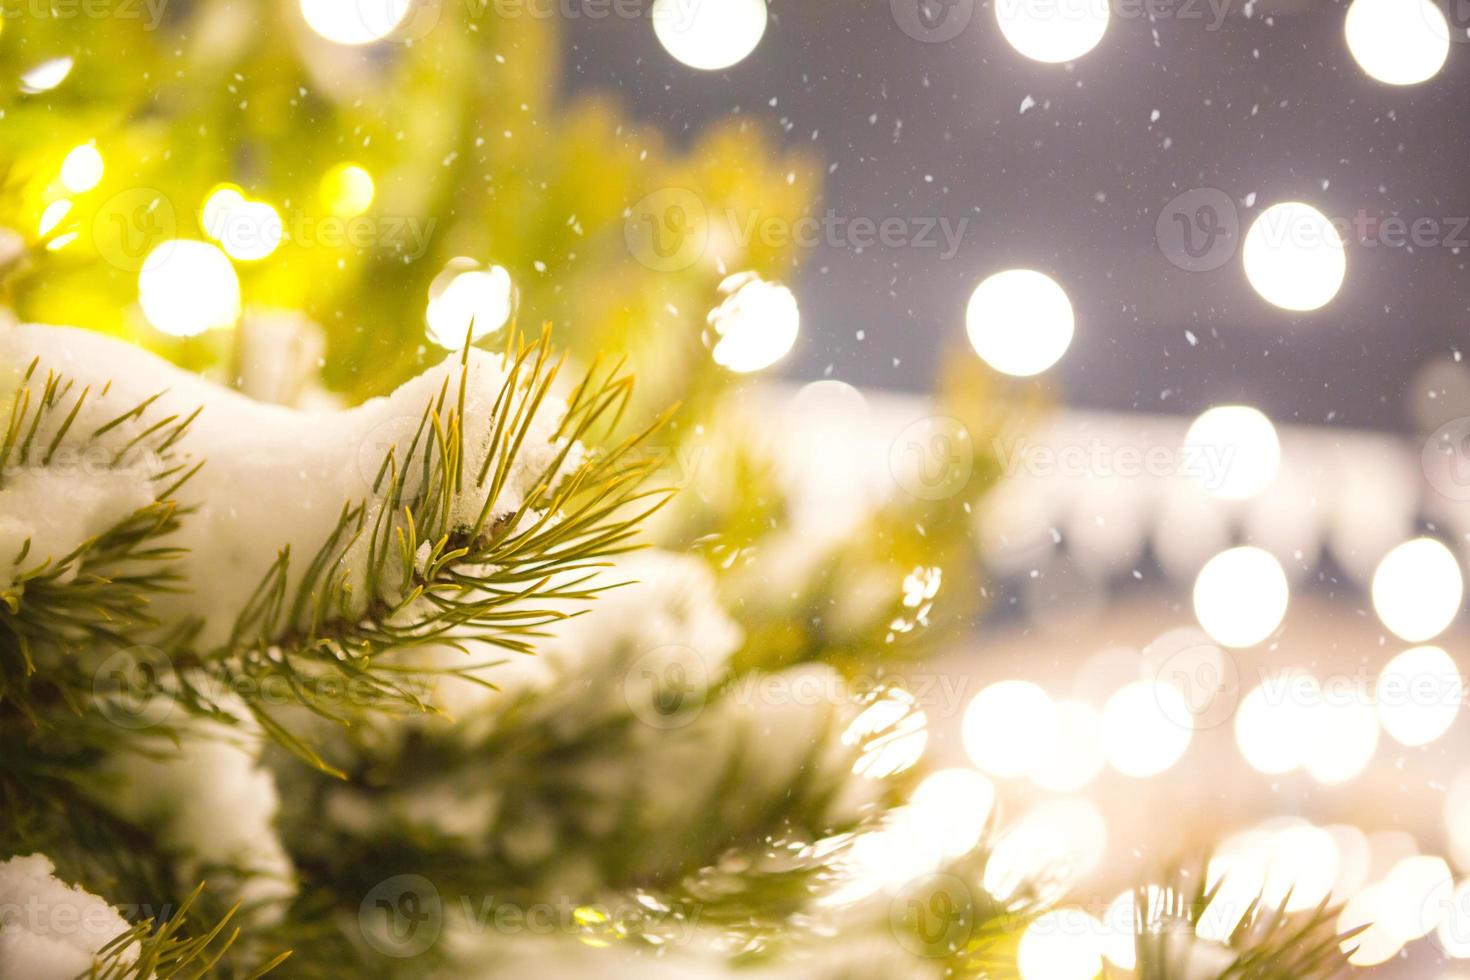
<point>1275,724</point>
<point>1240,596</point>
<point>1009,728</point>
<point>1398,42</point>
<point>468,303</point>
<point>1365,914</point>
<point>251,231</point>
<point>347,190</point>
<point>1233,451</point>
<point>1344,736</point>
<point>709,36</point>
<point>755,326</point>
<point>1076,755</point>
<point>82,169</point>
<point>354,22</point>
<point>1294,257</point>
<point>1065,944</point>
<point>954,805</point>
<point>187,287</point>
<point>1053,31</point>
<point>1418,695</point>
<point>1141,731</point>
<point>1420,890</point>
<point>1020,322</point>
<point>1417,589</point>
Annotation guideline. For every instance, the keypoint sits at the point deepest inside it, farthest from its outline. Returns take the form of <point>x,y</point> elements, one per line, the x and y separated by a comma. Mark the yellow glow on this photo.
<point>1054,844</point>
<point>756,325</point>
<point>1417,589</point>
<point>709,36</point>
<point>1274,724</point>
<point>1076,755</point>
<point>347,190</point>
<point>1344,736</point>
<point>1419,891</point>
<point>1240,596</point>
<point>954,805</point>
<point>247,230</point>
<point>54,215</point>
<point>1020,322</point>
<point>892,732</point>
<point>1419,695</point>
<point>82,169</point>
<point>1233,451</point>
<point>1141,733</point>
<point>1053,31</point>
<point>1119,945</point>
<point>46,76</point>
<point>461,296</point>
<point>1399,42</point>
<point>1301,867</point>
<point>187,287</point>
<point>1061,945</point>
<point>217,207</point>
<point>1009,728</point>
<point>354,21</point>
<point>1374,944</point>
<point>1294,257</point>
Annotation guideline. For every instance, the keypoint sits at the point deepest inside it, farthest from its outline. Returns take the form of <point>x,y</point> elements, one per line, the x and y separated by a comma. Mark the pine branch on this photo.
<point>167,951</point>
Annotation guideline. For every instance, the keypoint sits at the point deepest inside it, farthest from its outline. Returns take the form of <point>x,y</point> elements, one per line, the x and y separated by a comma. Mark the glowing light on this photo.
<point>1140,730</point>
<point>1344,736</point>
<point>1453,932</point>
<point>1375,944</point>
<point>354,21</point>
<point>1301,868</point>
<point>46,76</point>
<point>1417,589</point>
<point>1399,42</point>
<point>1419,694</point>
<point>1419,890</point>
<point>1274,723</point>
<point>954,805</point>
<point>463,295</point>
<point>54,214</point>
<point>1009,728</point>
<point>709,36</point>
<point>247,230</point>
<point>757,323</point>
<point>1294,257</point>
<point>217,207</point>
<point>1120,945</point>
<point>1054,844</point>
<point>1240,596</point>
<point>187,287</point>
<point>1061,945</point>
<point>82,169</point>
<point>1020,322</point>
<point>347,190</point>
<point>1235,451</point>
<point>1076,755</point>
<point>892,733</point>
<point>1052,30</point>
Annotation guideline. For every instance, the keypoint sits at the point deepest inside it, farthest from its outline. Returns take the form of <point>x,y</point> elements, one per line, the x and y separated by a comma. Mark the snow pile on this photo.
<point>273,477</point>
<point>50,930</point>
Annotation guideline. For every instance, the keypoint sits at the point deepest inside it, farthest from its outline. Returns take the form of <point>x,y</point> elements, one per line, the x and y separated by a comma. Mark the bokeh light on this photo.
<point>1417,589</point>
<point>892,733</point>
<point>1233,451</point>
<point>755,326</point>
<point>1009,728</point>
<point>1141,733</point>
<point>1064,944</point>
<point>354,22</point>
<point>1344,736</point>
<point>1274,722</point>
<point>1048,849</point>
<point>1053,31</point>
<point>347,190</point>
<point>464,295</point>
<point>46,76</point>
<point>1019,321</point>
<point>52,216</point>
<point>1419,694</point>
<point>1294,258</point>
<point>1076,755</point>
<point>1240,596</point>
<point>187,287</point>
<point>709,36</point>
<point>82,169</point>
<point>1399,42</point>
<point>955,805</point>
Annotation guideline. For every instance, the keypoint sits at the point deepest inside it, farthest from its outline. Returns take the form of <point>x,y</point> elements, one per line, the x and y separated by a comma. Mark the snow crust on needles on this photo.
<point>50,930</point>
<point>272,477</point>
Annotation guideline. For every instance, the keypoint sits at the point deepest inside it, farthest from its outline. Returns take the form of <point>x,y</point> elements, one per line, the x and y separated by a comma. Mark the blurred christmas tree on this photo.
<point>392,680</point>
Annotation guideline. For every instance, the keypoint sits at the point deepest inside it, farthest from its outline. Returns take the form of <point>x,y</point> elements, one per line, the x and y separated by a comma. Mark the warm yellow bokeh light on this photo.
<point>755,326</point>
<point>1275,723</point>
<point>892,733</point>
<point>954,806</point>
<point>1240,596</point>
<point>1344,736</point>
<point>46,76</point>
<point>82,169</point>
<point>1141,733</point>
<point>1417,589</point>
<point>709,36</point>
<point>1294,257</point>
<point>1053,31</point>
<point>188,287</point>
<point>1399,42</point>
<point>1065,944</point>
<point>1076,755</point>
<point>347,190</point>
<point>1233,451</point>
<point>1020,322</point>
<point>1419,694</point>
<point>54,214</point>
<point>355,21</point>
<point>459,297</point>
<point>1050,847</point>
<point>1009,728</point>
